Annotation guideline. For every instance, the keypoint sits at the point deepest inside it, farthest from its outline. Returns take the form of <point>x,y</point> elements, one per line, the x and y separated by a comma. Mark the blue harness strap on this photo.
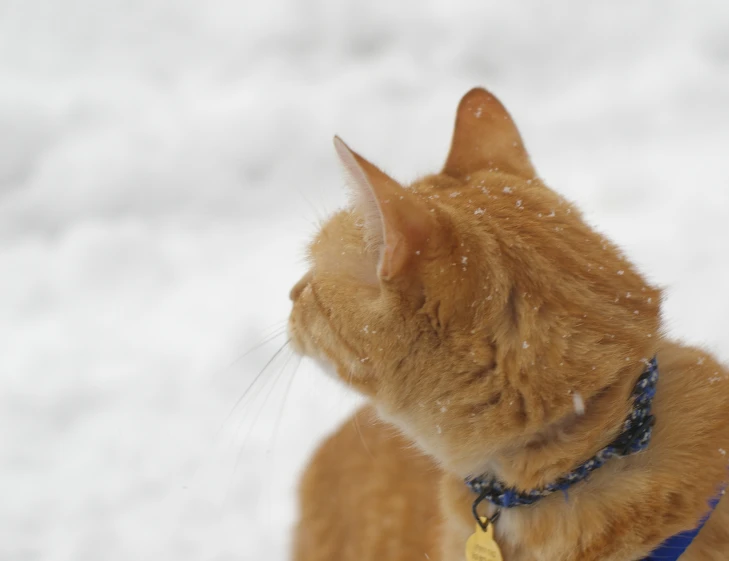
<point>675,546</point>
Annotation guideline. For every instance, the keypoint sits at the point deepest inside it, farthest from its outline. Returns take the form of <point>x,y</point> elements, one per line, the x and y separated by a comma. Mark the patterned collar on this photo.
<point>635,436</point>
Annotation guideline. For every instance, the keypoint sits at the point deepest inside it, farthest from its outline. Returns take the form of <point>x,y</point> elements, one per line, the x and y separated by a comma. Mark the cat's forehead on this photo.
<point>339,246</point>
<point>341,228</point>
<point>470,209</point>
<point>345,229</point>
<point>433,183</point>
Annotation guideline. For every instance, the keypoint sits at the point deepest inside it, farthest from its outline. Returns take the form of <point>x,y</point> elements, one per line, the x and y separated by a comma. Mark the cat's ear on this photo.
<point>485,137</point>
<point>396,221</point>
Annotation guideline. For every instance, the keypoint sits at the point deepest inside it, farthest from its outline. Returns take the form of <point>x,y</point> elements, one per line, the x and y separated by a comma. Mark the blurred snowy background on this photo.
<point>162,163</point>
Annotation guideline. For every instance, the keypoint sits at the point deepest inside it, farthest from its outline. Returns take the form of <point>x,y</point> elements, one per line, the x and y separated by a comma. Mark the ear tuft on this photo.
<point>361,194</point>
<point>485,137</point>
<point>396,221</point>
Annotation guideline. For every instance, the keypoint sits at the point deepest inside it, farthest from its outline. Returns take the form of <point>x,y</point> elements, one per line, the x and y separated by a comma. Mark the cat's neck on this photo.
<point>542,457</point>
<point>569,375</point>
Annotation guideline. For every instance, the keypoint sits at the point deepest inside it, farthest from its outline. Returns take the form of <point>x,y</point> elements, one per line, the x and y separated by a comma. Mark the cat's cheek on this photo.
<point>296,343</point>
<point>303,328</point>
<point>364,385</point>
<point>294,332</point>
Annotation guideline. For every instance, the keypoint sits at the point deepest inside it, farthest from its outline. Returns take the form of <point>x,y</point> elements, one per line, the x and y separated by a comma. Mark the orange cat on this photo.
<point>499,338</point>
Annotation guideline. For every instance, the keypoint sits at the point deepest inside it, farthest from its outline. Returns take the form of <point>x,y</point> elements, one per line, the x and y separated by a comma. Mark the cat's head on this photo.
<point>475,306</point>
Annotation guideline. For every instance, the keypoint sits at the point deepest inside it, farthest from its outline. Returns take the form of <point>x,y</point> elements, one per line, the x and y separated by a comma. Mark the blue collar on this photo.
<point>635,437</point>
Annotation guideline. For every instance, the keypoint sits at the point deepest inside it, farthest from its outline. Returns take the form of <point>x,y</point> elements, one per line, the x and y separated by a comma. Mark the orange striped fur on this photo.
<point>478,312</point>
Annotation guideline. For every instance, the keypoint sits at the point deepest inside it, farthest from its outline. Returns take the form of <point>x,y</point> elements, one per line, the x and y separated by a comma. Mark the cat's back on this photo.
<point>693,396</point>
<point>690,444</point>
<point>368,494</point>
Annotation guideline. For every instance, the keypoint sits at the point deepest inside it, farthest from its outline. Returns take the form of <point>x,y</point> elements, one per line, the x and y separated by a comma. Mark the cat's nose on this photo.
<point>300,286</point>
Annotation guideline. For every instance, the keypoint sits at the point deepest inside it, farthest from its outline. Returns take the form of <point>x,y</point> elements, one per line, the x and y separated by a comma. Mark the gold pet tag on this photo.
<point>481,545</point>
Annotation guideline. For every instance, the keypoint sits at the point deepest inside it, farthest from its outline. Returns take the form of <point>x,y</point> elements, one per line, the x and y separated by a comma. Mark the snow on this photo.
<point>162,164</point>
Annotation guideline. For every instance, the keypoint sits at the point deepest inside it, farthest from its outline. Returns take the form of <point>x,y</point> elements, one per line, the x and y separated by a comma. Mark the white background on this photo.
<point>162,164</point>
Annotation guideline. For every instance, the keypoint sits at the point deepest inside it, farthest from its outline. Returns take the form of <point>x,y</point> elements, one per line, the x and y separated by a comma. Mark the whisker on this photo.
<point>254,421</point>
<point>283,403</point>
<point>268,383</point>
<point>215,437</point>
<point>277,425</point>
<point>276,333</point>
<point>356,421</point>
<point>361,436</point>
<point>273,332</point>
<point>281,330</point>
<point>275,325</point>
<point>250,386</point>
<point>275,380</point>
